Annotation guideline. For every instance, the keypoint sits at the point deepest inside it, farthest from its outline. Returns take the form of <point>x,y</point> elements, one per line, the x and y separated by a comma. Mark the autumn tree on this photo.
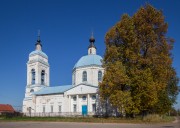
<point>138,64</point>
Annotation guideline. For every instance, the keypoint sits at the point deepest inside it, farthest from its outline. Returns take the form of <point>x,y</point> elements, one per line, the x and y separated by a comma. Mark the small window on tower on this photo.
<point>42,77</point>
<point>74,78</point>
<point>90,51</point>
<point>33,76</point>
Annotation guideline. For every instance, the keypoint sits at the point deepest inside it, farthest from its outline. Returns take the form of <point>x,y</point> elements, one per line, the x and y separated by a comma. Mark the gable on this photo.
<point>82,89</point>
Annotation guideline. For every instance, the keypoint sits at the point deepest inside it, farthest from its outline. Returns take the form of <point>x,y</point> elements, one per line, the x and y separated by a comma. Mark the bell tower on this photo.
<point>37,69</point>
<point>37,76</point>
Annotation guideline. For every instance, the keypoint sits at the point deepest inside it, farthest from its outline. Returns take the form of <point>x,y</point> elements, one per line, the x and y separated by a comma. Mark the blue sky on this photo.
<point>65,26</point>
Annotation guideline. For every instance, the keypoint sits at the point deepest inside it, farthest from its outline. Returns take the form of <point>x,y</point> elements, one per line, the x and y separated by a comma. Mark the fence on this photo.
<point>58,114</point>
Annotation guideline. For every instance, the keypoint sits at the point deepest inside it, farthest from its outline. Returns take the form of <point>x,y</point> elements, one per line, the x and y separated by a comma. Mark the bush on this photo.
<point>152,118</point>
<point>158,118</point>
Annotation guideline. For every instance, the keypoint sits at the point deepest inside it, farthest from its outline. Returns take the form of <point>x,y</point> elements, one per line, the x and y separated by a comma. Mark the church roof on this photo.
<point>89,60</point>
<point>37,52</point>
<point>53,90</point>
<point>58,89</point>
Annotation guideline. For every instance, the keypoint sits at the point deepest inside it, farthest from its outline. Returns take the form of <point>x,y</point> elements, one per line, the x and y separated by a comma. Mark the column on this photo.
<point>45,79</point>
<point>88,98</point>
<point>69,103</point>
<point>97,103</point>
<point>77,102</point>
<point>36,74</point>
<point>29,80</point>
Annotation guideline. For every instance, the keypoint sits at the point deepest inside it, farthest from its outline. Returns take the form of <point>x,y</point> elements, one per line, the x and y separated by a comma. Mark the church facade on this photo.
<point>80,98</point>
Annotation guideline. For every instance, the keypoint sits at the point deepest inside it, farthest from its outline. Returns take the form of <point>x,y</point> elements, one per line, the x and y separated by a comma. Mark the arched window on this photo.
<point>74,98</point>
<point>42,77</point>
<point>93,97</point>
<point>84,97</point>
<point>33,76</point>
<point>84,76</point>
<point>32,90</point>
<point>99,76</point>
<point>74,78</point>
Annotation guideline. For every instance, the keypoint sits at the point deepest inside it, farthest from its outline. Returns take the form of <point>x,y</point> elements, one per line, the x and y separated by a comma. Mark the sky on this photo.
<point>66,27</point>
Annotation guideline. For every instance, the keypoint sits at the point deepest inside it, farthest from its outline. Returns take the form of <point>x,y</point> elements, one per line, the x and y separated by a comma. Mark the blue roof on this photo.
<point>37,52</point>
<point>53,90</point>
<point>89,60</point>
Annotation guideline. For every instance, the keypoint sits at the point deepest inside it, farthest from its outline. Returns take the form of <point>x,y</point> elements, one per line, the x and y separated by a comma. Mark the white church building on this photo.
<point>80,98</point>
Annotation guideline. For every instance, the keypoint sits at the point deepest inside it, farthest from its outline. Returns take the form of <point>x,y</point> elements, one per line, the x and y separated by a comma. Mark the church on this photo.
<point>80,98</point>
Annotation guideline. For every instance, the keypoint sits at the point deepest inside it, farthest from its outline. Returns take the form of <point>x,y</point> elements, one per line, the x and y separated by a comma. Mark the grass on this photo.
<point>74,119</point>
<point>156,118</point>
<point>92,119</point>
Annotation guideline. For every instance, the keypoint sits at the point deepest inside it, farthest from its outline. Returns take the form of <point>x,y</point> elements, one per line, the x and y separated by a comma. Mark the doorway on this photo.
<point>84,110</point>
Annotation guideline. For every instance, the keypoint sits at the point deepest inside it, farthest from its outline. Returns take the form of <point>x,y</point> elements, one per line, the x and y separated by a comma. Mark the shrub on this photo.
<point>152,118</point>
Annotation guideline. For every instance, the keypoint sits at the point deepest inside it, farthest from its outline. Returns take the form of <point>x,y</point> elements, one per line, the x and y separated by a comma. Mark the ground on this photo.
<point>175,124</point>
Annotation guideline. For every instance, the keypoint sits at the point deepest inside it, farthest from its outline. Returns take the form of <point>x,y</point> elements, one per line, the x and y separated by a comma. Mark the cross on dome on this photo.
<point>38,43</point>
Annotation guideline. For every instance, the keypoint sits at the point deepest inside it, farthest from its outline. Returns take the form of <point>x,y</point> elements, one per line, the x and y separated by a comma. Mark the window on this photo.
<point>33,76</point>
<point>60,108</point>
<point>29,110</point>
<point>74,78</point>
<point>94,107</point>
<point>99,76</point>
<point>84,97</point>
<point>51,108</point>
<point>44,109</point>
<point>74,107</point>
<point>74,98</point>
<point>32,90</point>
<point>42,77</point>
<point>93,97</point>
<point>84,76</point>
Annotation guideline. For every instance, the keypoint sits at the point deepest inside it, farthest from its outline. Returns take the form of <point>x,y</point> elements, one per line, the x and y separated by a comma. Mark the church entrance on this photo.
<point>84,110</point>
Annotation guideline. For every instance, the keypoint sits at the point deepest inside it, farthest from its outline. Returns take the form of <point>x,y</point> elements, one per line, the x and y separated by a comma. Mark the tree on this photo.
<point>167,97</point>
<point>178,112</point>
<point>139,77</point>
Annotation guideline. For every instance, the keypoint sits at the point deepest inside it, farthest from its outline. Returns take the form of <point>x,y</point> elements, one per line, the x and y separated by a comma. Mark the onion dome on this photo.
<point>92,40</point>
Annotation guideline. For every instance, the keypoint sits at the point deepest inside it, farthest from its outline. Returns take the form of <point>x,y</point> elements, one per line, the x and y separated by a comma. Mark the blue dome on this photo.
<point>89,60</point>
<point>37,52</point>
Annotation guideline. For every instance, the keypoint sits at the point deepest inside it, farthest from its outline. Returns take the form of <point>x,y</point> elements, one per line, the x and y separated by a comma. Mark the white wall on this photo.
<point>92,75</point>
<point>50,100</point>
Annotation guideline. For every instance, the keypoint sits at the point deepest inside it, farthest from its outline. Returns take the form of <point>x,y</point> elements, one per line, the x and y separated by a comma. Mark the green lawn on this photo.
<point>88,119</point>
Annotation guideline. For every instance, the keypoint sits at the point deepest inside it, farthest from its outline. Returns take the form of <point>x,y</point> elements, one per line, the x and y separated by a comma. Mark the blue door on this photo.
<point>84,110</point>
